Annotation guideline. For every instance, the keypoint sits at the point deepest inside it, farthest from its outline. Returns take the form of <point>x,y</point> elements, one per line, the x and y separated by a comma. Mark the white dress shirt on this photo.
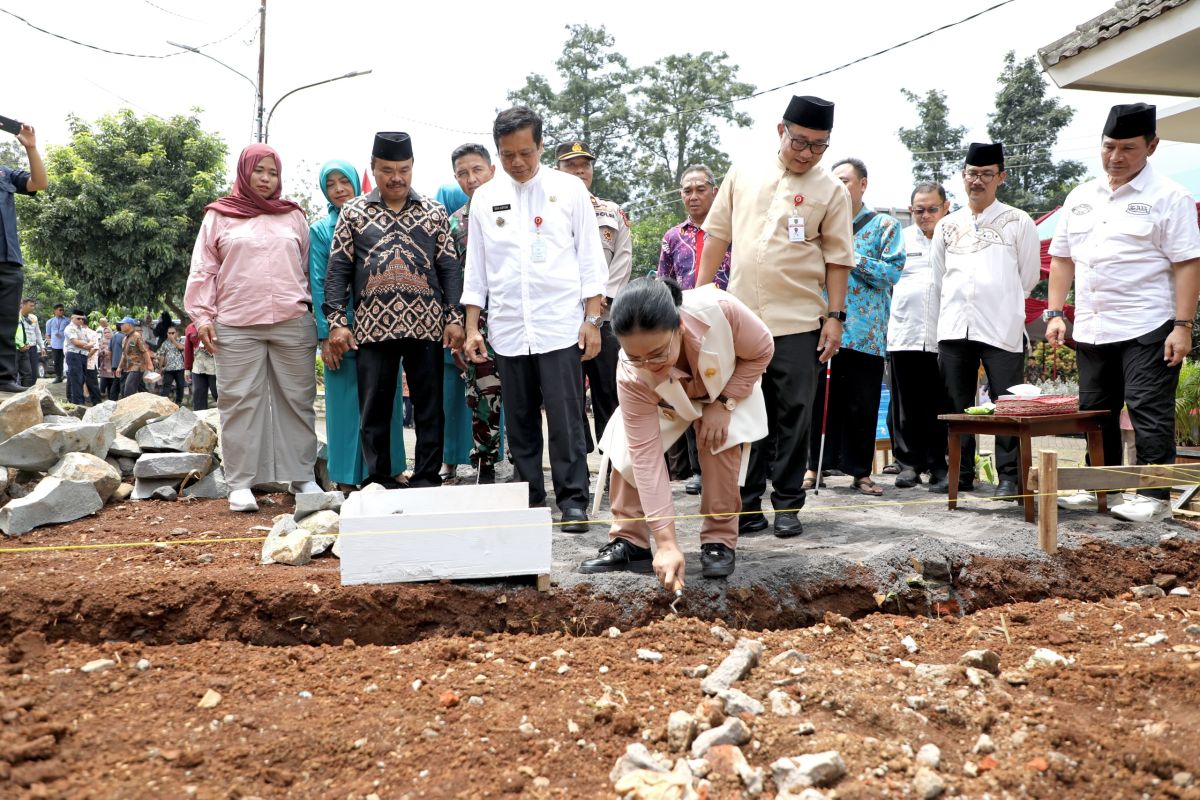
<point>913,321</point>
<point>1123,244</point>
<point>533,307</point>
<point>985,266</point>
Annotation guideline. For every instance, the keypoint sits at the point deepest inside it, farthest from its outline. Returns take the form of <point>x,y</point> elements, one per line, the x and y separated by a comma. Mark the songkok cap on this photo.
<point>392,146</point>
<point>984,154</point>
<point>1128,121</point>
<point>129,321</point>
<point>810,112</point>
<point>79,312</point>
<point>575,148</point>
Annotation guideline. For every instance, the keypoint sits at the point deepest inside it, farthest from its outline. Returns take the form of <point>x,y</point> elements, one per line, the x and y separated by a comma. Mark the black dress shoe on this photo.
<point>907,478</point>
<point>716,560</point>
<point>1008,490</point>
<point>787,524</point>
<point>487,473</point>
<point>575,520</point>
<point>939,483</point>
<point>620,556</point>
<point>693,485</point>
<point>11,386</point>
<point>751,523</point>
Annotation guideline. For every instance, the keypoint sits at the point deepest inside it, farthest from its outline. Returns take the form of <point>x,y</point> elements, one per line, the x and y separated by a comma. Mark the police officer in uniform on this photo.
<point>576,158</point>
<point>1129,242</point>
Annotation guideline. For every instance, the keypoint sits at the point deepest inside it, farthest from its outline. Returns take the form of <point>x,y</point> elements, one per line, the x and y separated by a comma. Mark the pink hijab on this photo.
<point>243,202</point>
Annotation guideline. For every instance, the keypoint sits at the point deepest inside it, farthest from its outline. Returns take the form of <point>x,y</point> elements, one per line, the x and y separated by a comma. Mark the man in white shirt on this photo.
<point>1130,243</point>
<point>535,261</point>
<point>986,257</point>
<point>914,383</point>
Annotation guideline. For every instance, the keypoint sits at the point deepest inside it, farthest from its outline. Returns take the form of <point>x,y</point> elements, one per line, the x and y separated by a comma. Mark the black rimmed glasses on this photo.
<point>800,145</point>
<point>987,176</point>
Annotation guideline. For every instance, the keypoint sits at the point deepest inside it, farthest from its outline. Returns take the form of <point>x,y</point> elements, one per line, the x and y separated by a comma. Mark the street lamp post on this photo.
<point>267,127</point>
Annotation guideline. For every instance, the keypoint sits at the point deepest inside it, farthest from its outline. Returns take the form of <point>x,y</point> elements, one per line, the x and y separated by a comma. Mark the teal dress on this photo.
<point>342,429</point>
<point>457,444</point>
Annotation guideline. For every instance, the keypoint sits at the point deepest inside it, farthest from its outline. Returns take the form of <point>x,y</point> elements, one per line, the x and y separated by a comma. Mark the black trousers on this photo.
<point>917,397</point>
<point>959,360</point>
<point>172,377</point>
<point>378,370</point>
<point>78,377</point>
<point>1132,373</point>
<point>108,386</point>
<point>789,385</point>
<point>601,374</point>
<point>133,384</point>
<point>27,366</point>
<point>552,381</point>
<point>58,363</point>
<point>202,384</point>
<point>854,389</point>
<point>12,279</point>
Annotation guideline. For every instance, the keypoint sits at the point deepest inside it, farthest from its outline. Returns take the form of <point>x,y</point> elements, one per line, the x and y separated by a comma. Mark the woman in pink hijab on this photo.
<point>248,297</point>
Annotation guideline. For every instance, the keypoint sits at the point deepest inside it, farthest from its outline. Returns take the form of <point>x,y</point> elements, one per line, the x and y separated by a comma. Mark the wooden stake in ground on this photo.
<point>1048,501</point>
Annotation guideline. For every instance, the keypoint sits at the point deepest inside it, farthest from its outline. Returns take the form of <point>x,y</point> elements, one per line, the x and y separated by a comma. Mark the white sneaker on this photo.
<point>1142,509</point>
<point>242,500</point>
<point>1078,501</point>
<point>305,487</point>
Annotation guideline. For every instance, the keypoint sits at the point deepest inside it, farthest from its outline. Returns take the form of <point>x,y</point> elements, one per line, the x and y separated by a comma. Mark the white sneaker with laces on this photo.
<point>242,500</point>
<point>305,487</point>
<point>1079,500</point>
<point>1142,509</point>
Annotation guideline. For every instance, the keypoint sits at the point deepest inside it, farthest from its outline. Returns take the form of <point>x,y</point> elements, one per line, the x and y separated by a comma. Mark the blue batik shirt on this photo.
<point>879,259</point>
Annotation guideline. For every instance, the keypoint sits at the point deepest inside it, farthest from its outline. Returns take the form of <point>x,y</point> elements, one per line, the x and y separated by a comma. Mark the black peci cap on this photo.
<point>392,146</point>
<point>1128,121</point>
<point>810,112</point>
<point>984,154</point>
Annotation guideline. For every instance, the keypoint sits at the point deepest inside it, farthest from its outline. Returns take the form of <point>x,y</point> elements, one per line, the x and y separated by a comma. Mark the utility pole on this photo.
<point>262,59</point>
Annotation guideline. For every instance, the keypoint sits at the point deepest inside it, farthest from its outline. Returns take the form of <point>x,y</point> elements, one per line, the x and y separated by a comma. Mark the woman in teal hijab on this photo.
<point>339,182</point>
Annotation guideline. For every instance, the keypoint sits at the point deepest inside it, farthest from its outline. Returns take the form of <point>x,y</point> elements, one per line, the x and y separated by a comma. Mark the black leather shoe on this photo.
<point>487,473</point>
<point>907,478</point>
<point>751,523</point>
<point>787,524</point>
<point>716,560</point>
<point>575,520</point>
<point>939,483</point>
<point>620,556</point>
<point>1008,490</point>
<point>11,386</point>
<point>693,485</point>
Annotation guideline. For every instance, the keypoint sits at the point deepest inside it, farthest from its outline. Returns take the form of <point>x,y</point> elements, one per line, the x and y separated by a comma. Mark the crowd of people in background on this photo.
<point>756,352</point>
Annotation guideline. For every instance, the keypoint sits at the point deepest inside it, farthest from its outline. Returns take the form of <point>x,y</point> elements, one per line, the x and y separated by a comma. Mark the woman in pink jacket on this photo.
<point>688,358</point>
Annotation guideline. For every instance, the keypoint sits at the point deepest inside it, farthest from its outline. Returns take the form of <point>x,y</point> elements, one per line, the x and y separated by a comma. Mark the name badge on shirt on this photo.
<point>537,251</point>
<point>795,228</point>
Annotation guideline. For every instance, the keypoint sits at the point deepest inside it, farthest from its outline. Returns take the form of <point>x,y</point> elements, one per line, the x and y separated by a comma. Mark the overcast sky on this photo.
<point>441,70</point>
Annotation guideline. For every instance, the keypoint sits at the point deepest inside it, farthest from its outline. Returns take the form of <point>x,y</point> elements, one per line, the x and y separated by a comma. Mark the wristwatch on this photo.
<point>728,402</point>
<point>1184,323</point>
<point>840,316</point>
<point>1050,314</point>
<point>594,319</point>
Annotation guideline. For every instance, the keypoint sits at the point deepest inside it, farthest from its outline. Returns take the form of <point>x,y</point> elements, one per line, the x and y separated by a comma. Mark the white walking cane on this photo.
<point>824,422</point>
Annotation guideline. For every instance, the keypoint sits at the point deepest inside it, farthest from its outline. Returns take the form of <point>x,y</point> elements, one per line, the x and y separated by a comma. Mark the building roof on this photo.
<point>1125,15</point>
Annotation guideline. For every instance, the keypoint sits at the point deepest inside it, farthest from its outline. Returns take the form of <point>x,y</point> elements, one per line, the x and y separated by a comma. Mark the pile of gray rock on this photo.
<point>59,467</point>
<point>311,530</point>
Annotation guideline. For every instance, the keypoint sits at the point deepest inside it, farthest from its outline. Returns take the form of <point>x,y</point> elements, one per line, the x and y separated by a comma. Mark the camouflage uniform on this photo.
<point>483,380</point>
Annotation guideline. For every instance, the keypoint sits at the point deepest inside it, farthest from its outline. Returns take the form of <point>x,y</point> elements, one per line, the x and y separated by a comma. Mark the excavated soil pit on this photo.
<point>485,690</point>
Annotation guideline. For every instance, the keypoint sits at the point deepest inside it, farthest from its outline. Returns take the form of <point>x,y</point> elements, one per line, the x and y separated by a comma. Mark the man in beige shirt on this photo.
<point>788,220</point>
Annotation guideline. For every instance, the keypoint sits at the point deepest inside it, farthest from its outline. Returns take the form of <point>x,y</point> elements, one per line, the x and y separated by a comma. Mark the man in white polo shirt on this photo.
<point>1130,242</point>
<point>986,257</point>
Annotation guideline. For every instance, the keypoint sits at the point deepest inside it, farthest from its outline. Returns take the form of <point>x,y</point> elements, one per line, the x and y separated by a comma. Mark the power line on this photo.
<point>169,11</point>
<point>121,52</point>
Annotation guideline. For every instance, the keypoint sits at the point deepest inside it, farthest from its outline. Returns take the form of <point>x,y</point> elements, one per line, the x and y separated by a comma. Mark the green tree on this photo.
<point>646,234</point>
<point>47,289</point>
<point>682,98</point>
<point>1028,123</point>
<point>936,145</point>
<point>591,104</point>
<point>125,202</point>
